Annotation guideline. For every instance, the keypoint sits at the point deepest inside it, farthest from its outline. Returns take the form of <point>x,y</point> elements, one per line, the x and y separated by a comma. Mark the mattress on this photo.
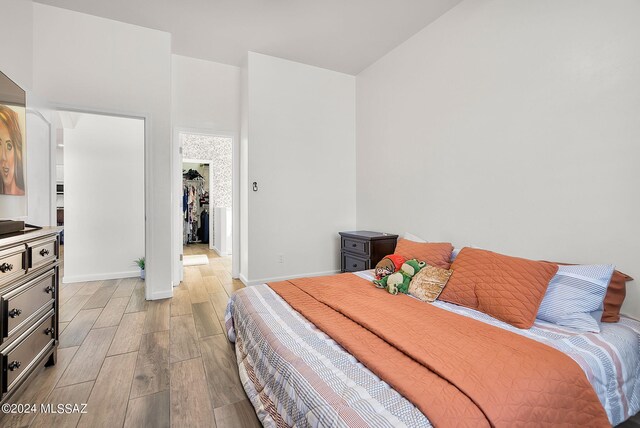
<point>295,375</point>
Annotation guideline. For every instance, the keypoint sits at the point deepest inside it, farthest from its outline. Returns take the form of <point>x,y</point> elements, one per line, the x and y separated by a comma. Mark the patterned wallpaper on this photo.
<point>217,150</point>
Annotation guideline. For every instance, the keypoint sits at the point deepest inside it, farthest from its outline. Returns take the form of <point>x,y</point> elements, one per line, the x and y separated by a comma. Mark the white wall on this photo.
<point>205,98</point>
<point>40,171</point>
<point>85,62</point>
<point>16,60</point>
<point>513,126</point>
<point>205,94</point>
<point>104,198</point>
<point>301,151</point>
<point>243,176</point>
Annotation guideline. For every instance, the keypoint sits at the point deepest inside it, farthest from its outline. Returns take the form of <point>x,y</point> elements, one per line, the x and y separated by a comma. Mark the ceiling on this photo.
<point>340,35</point>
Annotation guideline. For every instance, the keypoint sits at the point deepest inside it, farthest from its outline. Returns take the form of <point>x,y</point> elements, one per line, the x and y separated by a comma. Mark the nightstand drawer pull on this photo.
<point>49,331</point>
<point>15,313</point>
<point>6,267</point>
<point>13,365</point>
<point>49,289</point>
<point>44,252</point>
<point>355,265</point>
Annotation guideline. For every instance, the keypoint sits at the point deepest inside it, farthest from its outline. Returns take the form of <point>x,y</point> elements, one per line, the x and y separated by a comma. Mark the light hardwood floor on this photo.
<point>144,364</point>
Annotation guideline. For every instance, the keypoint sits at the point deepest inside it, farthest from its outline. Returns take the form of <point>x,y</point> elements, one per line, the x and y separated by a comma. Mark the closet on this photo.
<point>195,206</point>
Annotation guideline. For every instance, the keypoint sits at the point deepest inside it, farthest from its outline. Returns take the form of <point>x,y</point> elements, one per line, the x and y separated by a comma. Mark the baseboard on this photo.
<point>220,253</point>
<point>162,295</point>
<point>66,279</point>
<point>250,283</point>
<point>243,279</point>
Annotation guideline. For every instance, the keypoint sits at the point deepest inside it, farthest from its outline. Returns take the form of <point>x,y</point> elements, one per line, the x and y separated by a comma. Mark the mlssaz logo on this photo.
<point>63,408</point>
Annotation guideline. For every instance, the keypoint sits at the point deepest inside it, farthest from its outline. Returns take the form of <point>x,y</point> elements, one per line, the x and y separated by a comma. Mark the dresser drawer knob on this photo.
<point>50,331</point>
<point>49,289</point>
<point>44,252</point>
<point>15,313</point>
<point>354,245</point>
<point>13,365</point>
<point>6,267</point>
<point>355,265</point>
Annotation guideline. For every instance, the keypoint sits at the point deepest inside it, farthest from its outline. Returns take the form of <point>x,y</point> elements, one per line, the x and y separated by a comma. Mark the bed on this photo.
<point>296,375</point>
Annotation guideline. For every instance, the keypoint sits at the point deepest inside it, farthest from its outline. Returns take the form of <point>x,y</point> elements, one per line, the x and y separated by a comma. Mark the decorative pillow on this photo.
<point>463,291</point>
<point>573,294</point>
<point>388,265</point>
<point>434,253</point>
<point>429,282</point>
<point>414,238</point>
<point>507,288</point>
<point>616,292</point>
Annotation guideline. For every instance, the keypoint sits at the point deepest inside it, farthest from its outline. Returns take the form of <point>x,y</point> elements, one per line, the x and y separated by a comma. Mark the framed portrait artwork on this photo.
<point>13,149</point>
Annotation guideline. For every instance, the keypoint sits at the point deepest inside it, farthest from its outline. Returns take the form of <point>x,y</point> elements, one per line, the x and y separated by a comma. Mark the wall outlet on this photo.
<point>280,258</point>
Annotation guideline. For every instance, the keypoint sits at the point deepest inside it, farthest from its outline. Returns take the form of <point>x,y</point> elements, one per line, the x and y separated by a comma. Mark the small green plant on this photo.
<point>140,262</point>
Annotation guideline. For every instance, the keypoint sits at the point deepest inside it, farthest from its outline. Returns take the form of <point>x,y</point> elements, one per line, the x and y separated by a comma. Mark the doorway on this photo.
<point>100,194</point>
<point>206,198</point>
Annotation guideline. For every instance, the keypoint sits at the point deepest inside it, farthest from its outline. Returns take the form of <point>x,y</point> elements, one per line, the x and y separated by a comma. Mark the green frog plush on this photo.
<point>398,282</point>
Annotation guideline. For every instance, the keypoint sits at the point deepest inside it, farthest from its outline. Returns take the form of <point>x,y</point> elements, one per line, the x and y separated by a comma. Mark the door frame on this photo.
<point>149,240</point>
<point>176,162</point>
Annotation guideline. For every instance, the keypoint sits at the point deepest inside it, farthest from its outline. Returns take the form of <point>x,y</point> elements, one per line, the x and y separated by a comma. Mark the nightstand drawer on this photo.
<point>354,264</point>
<point>12,263</point>
<point>18,359</point>
<point>20,306</point>
<point>43,252</point>
<point>355,246</point>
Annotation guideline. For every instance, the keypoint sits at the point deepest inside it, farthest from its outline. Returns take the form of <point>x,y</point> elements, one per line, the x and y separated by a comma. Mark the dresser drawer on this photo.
<point>42,252</point>
<point>354,264</point>
<point>20,305</point>
<point>12,263</point>
<point>19,358</point>
<point>355,246</point>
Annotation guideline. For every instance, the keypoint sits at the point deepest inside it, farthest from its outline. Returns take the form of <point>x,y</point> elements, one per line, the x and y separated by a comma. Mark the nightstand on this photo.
<point>362,249</point>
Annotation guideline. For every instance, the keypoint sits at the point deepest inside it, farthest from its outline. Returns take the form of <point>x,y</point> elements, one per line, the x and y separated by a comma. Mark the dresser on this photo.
<point>363,249</point>
<point>29,280</point>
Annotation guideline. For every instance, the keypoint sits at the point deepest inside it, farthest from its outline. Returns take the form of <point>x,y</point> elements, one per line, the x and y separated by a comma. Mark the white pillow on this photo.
<point>575,295</point>
<point>414,238</point>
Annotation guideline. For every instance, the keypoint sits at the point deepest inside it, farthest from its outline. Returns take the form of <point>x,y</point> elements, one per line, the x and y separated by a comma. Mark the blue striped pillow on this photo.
<point>573,293</point>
